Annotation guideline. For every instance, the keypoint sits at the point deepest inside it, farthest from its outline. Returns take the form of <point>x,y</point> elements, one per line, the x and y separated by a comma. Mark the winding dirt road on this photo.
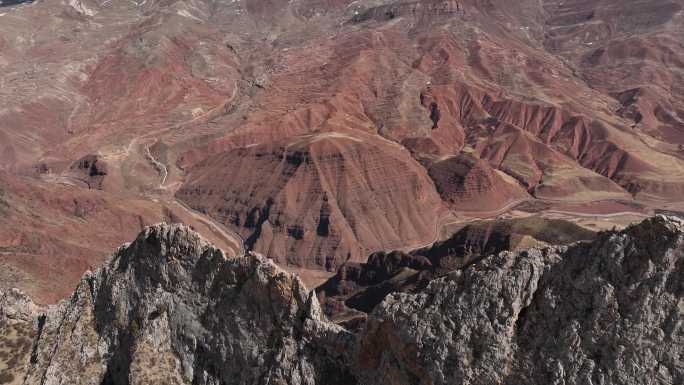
<point>217,228</point>
<point>159,166</point>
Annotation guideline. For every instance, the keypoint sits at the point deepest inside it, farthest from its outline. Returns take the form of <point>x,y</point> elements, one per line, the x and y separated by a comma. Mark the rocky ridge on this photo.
<point>357,288</point>
<point>605,312</point>
<point>171,308</point>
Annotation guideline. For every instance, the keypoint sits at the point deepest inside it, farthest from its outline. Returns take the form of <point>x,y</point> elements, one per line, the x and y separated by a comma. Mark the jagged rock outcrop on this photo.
<point>606,312</point>
<point>90,169</point>
<point>17,331</point>
<point>358,287</point>
<point>170,308</point>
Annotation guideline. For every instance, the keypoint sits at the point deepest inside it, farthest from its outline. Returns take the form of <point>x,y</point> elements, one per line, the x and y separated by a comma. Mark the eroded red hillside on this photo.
<point>318,200</point>
<point>471,184</point>
<point>323,130</point>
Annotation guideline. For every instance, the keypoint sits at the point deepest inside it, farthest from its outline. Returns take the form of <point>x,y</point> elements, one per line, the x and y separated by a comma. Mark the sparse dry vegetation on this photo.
<point>15,348</point>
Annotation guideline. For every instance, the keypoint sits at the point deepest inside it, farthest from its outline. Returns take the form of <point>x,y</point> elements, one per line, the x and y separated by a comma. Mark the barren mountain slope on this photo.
<point>318,200</point>
<point>53,232</point>
<point>560,102</point>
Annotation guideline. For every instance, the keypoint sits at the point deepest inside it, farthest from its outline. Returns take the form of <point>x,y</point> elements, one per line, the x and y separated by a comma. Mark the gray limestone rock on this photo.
<point>606,312</point>
<point>171,309</point>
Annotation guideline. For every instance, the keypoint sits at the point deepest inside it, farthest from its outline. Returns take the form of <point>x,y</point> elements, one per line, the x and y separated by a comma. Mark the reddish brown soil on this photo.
<point>53,232</point>
<point>602,208</point>
<point>435,105</point>
<point>318,200</point>
<point>471,184</point>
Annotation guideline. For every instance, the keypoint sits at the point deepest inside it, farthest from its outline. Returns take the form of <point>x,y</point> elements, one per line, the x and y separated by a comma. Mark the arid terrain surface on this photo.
<point>319,133</point>
<point>171,308</point>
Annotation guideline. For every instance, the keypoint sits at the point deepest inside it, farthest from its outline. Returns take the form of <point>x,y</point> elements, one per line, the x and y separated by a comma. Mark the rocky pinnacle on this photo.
<point>170,308</point>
